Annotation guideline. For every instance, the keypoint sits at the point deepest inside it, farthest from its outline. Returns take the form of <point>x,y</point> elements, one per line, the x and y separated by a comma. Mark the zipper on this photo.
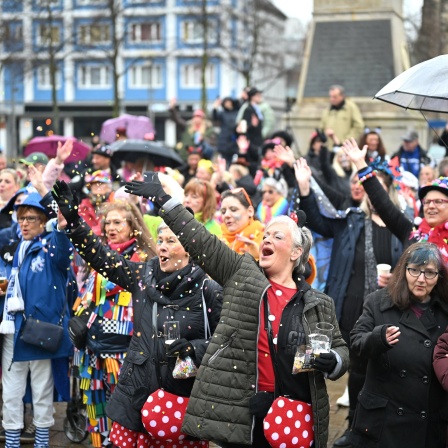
<point>256,357</point>
<point>315,388</point>
<point>220,350</point>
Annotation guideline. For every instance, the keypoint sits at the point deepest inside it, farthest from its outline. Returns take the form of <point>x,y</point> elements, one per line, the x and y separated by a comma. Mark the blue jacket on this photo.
<point>43,277</point>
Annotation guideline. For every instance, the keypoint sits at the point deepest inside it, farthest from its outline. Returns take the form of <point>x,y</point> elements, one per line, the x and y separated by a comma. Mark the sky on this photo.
<point>302,9</point>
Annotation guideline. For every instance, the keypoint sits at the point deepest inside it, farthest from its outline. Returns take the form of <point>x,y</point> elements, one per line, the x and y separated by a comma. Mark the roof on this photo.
<point>355,54</point>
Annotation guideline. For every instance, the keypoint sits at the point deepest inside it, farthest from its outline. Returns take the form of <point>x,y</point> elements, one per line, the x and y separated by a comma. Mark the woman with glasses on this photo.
<point>402,403</point>
<point>38,266</point>
<point>361,241</point>
<point>433,196</point>
<point>111,330</point>
<point>240,230</point>
<point>274,202</point>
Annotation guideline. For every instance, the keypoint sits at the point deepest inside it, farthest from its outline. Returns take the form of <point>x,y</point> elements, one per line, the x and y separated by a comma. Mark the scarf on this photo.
<point>121,247</point>
<point>437,235</point>
<point>253,230</point>
<point>14,300</point>
<point>266,213</point>
<point>370,273</point>
<point>174,285</point>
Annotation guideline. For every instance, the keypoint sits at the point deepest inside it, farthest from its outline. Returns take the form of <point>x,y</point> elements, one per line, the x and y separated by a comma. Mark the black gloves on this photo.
<point>181,348</point>
<point>325,362</point>
<point>151,189</point>
<point>67,202</point>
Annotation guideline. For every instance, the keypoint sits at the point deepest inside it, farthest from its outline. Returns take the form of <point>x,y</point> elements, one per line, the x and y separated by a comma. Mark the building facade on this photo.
<point>91,57</point>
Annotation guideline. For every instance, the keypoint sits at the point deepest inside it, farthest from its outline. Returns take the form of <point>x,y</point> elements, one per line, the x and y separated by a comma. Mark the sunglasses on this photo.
<point>244,192</point>
<point>267,192</point>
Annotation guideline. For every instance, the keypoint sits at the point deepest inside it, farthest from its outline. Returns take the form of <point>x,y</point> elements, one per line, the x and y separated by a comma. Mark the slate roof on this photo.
<point>357,55</point>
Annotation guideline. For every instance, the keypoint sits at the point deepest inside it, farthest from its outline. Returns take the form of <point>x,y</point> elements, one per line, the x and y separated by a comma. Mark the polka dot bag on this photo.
<point>289,423</point>
<point>162,417</point>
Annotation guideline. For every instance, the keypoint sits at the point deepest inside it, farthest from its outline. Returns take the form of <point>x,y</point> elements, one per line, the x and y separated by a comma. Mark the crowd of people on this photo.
<point>247,249</point>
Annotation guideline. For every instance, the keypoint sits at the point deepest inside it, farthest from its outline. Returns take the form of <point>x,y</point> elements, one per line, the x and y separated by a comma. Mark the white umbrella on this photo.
<point>423,87</point>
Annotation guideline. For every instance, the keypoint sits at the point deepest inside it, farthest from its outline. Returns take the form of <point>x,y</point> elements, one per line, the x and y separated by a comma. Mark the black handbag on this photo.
<point>42,334</point>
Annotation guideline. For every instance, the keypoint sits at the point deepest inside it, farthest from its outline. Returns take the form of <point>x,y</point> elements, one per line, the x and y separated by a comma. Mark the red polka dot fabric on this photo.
<point>162,416</point>
<point>289,423</point>
<point>125,438</point>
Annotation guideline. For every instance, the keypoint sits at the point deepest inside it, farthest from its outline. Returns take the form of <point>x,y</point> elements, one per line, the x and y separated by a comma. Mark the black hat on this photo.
<point>253,91</point>
<point>103,150</point>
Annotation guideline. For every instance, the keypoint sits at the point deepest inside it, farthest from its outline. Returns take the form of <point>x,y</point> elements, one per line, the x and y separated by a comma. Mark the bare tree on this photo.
<point>430,40</point>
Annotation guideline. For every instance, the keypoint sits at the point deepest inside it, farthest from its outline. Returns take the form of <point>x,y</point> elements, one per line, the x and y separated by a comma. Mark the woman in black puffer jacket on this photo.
<point>167,287</point>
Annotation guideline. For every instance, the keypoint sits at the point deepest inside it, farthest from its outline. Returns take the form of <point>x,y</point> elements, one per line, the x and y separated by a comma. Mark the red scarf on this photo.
<point>121,247</point>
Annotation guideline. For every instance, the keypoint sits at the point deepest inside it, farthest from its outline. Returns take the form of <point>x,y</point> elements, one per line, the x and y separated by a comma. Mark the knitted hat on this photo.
<point>440,184</point>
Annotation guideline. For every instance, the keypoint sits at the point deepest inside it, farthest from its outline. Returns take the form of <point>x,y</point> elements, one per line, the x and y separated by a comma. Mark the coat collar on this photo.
<point>408,317</point>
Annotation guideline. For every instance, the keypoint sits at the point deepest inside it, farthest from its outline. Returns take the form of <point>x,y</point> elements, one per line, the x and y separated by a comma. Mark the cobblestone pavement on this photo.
<point>58,439</point>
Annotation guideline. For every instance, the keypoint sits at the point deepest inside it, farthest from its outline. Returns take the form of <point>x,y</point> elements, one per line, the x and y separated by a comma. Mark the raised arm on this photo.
<point>214,256</point>
<point>107,262</point>
<point>315,221</point>
<point>396,221</point>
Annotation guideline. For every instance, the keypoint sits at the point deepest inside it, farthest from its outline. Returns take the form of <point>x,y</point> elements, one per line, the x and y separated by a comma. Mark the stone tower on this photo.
<point>361,45</point>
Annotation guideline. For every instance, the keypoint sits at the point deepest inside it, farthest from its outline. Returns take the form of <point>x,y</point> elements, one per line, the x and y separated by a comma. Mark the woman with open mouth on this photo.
<point>169,287</point>
<point>110,332</point>
<point>263,304</point>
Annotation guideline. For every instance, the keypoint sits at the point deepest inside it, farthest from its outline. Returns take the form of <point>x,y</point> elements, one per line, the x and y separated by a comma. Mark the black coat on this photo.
<point>146,367</point>
<point>402,403</point>
<point>254,134</point>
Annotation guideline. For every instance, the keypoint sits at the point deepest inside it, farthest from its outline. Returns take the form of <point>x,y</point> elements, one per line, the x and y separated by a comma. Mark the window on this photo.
<point>145,76</point>
<point>44,78</point>
<point>193,32</point>
<point>94,34</point>
<point>191,75</point>
<point>93,76</point>
<point>48,34</point>
<point>13,33</point>
<point>146,32</point>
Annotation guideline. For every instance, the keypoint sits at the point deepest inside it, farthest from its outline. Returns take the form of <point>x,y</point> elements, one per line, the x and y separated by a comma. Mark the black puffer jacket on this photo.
<point>156,299</point>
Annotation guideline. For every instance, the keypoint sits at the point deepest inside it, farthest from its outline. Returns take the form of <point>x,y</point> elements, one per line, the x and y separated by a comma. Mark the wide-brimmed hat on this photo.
<point>440,184</point>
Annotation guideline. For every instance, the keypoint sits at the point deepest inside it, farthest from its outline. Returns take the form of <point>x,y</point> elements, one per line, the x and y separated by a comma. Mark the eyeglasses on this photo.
<point>31,219</point>
<point>429,275</point>
<point>115,222</point>
<point>267,192</point>
<point>436,201</point>
<point>242,190</point>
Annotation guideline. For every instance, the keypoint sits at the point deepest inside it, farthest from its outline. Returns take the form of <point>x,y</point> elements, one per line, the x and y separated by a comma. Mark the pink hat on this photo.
<point>199,113</point>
